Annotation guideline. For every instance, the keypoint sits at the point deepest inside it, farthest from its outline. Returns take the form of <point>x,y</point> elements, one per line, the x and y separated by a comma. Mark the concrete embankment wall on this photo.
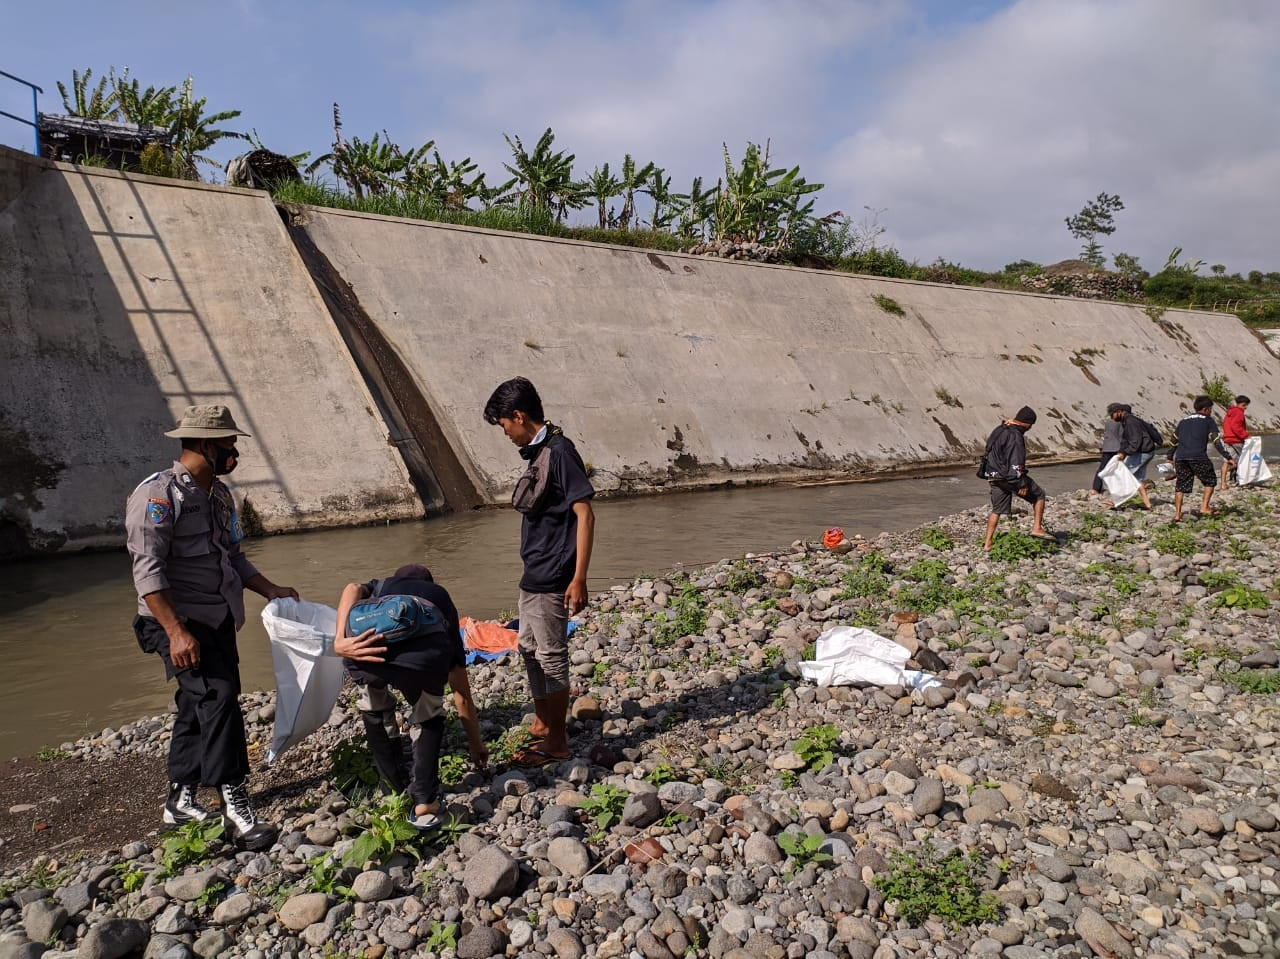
<point>360,350</point>
<point>125,298</point>
<point>681,370</point>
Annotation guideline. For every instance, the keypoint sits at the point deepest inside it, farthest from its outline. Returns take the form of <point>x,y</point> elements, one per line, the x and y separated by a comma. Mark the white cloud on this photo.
<point>668,80</point>
<point>993,134</point>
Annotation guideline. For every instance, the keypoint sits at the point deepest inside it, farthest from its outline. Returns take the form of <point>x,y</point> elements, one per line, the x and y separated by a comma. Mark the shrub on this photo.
<point>1217,390</point>
<point>1170,286</point>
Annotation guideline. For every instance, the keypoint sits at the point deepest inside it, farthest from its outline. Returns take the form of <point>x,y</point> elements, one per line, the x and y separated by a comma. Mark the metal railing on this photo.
<point>35,107</point>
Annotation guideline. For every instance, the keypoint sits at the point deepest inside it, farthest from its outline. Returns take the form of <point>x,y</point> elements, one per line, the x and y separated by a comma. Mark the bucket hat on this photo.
<point>205,423</point>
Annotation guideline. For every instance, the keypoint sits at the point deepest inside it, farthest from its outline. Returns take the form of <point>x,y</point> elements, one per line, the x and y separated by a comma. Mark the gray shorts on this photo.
<point>544,642</point>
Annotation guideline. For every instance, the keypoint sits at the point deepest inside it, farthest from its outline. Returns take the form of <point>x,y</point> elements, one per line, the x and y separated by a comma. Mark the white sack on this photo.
<point>307,680</point>
<point>844,655</point>
<point>1252,468</point>
<point>1119,480</point>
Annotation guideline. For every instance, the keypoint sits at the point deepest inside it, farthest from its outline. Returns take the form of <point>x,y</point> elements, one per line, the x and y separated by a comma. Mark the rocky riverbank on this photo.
<point>1096,776</point>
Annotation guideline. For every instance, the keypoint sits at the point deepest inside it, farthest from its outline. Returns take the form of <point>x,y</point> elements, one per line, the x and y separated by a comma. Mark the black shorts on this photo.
<point>1003,492</point>
<point>1188,471</point>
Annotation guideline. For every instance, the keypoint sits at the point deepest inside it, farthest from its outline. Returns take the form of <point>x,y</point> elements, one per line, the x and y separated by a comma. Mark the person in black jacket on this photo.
<point>1136,447</point>
<point>1007,474</point>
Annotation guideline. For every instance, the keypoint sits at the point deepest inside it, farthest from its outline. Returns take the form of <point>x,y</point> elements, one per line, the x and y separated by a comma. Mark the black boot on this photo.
<point>387,748</point>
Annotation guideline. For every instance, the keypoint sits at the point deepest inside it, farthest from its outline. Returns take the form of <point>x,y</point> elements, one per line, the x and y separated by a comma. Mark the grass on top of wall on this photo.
<point>514,219</point>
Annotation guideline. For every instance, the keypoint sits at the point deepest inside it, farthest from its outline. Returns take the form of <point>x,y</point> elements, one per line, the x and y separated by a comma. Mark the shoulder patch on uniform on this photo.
<point>158,510</point>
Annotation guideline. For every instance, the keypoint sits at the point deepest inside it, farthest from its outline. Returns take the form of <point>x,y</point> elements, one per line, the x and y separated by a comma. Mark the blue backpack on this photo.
<point>396,618</point>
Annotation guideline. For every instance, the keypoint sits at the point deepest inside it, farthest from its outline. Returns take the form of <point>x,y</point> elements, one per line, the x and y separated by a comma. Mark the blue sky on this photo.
<point>976,127</point>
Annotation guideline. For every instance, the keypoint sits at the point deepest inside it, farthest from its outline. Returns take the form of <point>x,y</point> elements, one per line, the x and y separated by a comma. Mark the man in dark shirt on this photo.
<point>556,535</point>
<point>419,667</point>
<point>1190,455</point>
<point>190,574</point>
<point>1007,474</point>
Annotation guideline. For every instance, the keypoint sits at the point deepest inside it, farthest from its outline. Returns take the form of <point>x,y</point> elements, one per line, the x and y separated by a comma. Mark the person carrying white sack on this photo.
<point>1137,447</point>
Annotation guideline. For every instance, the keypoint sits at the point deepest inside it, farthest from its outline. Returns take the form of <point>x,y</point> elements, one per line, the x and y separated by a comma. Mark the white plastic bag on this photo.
<point>307,680</point>
<point>844,655</point>
<point>1119,480</point>
<point>1252,468</point>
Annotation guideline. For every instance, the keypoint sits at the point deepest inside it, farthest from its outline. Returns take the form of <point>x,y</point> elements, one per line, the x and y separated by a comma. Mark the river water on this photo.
<point>72,666</point>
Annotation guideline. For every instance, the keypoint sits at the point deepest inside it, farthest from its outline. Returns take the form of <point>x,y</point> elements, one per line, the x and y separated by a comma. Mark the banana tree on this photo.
<point>601,186</point>
<point>632,180</point>
<point>93,103</point>
<point>667,206</point>
<point>153,106</point>
<point>544,179</point>
<point>362,166</point>
<point>698,210</point>
<point>191,130</point>
<point>759,204</point>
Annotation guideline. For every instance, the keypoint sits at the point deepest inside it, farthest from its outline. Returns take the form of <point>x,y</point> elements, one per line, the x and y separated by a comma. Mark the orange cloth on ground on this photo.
<point>833,537</point>
<point>486,636</point>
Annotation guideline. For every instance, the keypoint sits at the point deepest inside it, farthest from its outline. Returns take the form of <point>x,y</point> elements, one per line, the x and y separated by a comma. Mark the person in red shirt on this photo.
<point>1234,433</point>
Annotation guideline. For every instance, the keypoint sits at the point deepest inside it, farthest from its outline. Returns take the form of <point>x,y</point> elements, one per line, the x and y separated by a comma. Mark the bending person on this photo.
<point>418,665</point>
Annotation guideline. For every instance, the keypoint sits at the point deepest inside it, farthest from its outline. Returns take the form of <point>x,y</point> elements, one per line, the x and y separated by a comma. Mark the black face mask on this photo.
<point>223,460</point>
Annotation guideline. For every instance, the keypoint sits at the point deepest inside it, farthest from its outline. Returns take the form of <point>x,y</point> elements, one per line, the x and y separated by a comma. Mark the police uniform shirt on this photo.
<point>187,541</point>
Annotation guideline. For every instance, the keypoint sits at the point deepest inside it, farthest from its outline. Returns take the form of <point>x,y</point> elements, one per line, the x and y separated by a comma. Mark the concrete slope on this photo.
<point>680,370</point>
<point>125,298</point>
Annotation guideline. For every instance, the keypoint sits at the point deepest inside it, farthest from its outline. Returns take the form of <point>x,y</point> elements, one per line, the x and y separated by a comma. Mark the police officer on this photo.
<point>190,573</point>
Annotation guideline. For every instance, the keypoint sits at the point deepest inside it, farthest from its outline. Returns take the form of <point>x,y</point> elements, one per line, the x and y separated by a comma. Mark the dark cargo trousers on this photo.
<point>208,745</point>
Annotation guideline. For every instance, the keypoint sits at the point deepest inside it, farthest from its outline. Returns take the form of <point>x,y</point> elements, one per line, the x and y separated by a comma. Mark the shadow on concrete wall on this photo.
<point>102,329</point>
<point>72,358</point>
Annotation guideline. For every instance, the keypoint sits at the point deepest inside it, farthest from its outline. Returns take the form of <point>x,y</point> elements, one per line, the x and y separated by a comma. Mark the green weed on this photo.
<point>817,745</point>
<point>604,807</point>
<point>190,844</point>
<point>926,884</point>
<point>452,768</point>
<point>866,580</point>
<point>51,753</point>
<point>1010,546</point>
<point>936,538</point>
<point>661,773</point>
<point>325,875</point>
<point>802,850</point>
<point>1257,681</point>
<point>1174,540</point>
<point>946,397</point>
<point>742,578</point>
<point>1240,596</point>
<point>352,769</point>
<point>444,935</point>
<point>689,619</point>
<point>132,876</point>
<point>387,831</point>
<point>889,305</point>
